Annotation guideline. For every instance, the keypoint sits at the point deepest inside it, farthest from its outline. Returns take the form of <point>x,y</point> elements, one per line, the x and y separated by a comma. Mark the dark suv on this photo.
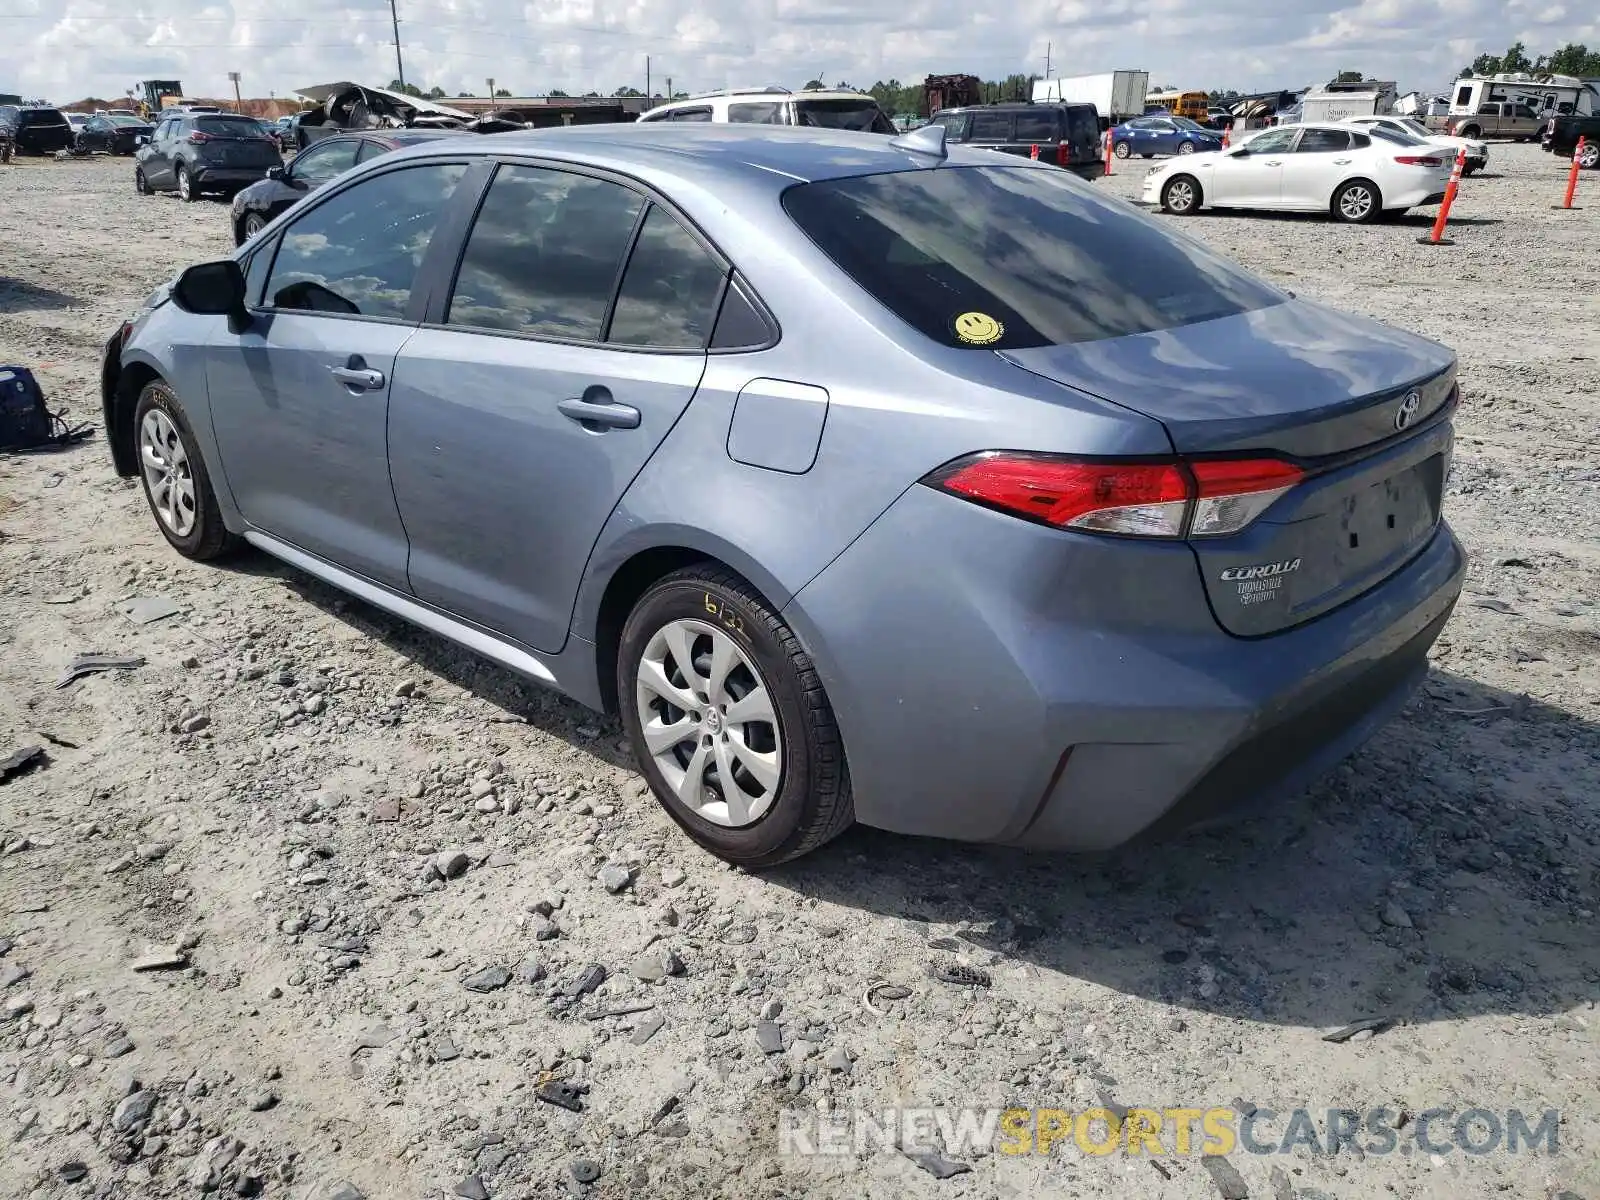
<point>36,130</point>
<point>204,152</point>
<point>1066,134</point>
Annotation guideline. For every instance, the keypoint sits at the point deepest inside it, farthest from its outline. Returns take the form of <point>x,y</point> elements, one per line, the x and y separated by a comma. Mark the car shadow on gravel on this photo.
<point>17,296</point>
<point>1436,874</point>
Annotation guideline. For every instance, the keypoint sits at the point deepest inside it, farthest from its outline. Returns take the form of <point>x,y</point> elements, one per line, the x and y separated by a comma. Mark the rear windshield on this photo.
<point>1012,257</point>
<point>228,126</point>
<point>41,116</point>
<point>864,116</point>
<point>126,121</point>
<point>1392,135</point>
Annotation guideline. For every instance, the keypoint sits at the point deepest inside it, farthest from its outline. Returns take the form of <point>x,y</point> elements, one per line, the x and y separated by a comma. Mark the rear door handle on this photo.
<point>596,410</point>
<point>1341,162</point>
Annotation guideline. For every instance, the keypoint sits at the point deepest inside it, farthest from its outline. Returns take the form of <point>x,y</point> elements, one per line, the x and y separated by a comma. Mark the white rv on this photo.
<point>1341,101</point>
<point>1545,94</point>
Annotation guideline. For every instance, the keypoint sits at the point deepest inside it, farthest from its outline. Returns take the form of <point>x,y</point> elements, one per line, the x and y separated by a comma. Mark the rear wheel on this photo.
<point>1123,150</point>
<point>729,722</point>
<point>174,475</point>
<point>186,190</point>
<point>1589,156</point>
<point>1358,202</point>
<point>1186,148</point>
<point>1468,131</point>
<point>1181,196</point>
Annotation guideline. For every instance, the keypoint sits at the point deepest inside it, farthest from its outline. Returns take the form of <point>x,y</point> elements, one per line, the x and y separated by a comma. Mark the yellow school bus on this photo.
<point>1193,105</point>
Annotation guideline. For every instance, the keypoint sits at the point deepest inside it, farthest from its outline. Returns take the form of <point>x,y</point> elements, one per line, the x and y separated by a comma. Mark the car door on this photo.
<point>1320,161</point>
<point>96,134</point>
<point>525,407</point>
<point>326,160</point>
<point>300,400</point>
<point>1251,176</point>
<point>1162,137</point>
<point>155,159</point>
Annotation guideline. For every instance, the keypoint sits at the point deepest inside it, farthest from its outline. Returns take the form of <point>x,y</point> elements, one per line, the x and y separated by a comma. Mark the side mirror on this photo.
<point>278,174</point>
<point>214,289</point>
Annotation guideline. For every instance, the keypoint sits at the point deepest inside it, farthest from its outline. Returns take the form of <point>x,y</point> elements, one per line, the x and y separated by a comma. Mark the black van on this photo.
<point>35,129</point>
<point>1066,134</point>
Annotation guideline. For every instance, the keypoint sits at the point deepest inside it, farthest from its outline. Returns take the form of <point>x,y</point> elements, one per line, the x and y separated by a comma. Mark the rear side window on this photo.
<point>991,127</point>
<point>370,149</point>
<point>1321,141</point>
<point>358,254</point>
<point>863,116</point>
<point>690,114</point>
<point>41,116</point>
<point>670,291</point>
<point>1082,123</point>
<point>767,112</point>
<point>1037,126</point>
<point>1008,257</point>
<point>544,254</point>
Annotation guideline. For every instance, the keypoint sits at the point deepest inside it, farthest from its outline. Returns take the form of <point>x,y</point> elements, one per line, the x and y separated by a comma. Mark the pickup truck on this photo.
<point>1498,120</point>
<point>1561,135</point>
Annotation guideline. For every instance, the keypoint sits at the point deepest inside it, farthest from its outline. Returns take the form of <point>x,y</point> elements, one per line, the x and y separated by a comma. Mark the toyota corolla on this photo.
<point>867,479</point>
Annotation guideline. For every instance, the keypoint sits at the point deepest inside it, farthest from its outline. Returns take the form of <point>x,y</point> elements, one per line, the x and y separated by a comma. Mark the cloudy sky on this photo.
<point>66,49</point>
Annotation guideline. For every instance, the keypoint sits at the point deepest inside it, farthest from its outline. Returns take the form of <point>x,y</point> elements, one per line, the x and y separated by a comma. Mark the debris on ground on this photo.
<point>90,664</point>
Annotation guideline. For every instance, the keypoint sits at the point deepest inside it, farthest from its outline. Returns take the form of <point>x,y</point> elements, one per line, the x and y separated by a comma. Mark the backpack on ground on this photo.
<point>25,423</point>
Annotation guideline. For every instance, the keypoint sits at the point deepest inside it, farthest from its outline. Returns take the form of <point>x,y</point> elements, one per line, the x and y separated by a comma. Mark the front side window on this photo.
<point>1037,127</point>
<point>323,162</point>
<point>1030,258</point>
<point>991,127</point>
<point>767,112</point>
<point>358,253</point>
<point>544,253</point>
<point>670,290</point>
<point>691,114</point>
<point>1275,141</point>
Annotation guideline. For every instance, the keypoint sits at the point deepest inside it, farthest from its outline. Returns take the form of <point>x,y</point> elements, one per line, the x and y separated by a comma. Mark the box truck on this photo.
<point>1117,95</point>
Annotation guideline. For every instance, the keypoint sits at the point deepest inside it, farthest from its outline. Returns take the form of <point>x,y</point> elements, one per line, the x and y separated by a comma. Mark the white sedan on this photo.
<point>1477,152</point>
<point>1305,168</point>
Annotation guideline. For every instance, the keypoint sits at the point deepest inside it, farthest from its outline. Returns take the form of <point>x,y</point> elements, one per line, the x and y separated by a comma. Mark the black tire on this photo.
<point>813,804</point>
<point>1344,209</point>
<point>1467,170</point>
<point>187,191</point>
<point>140,183</point>
<point>1182,201</point>
<point>1470,132</point>
<point>209,538</point>
<point>1122,150</point>
<point>252,224</point>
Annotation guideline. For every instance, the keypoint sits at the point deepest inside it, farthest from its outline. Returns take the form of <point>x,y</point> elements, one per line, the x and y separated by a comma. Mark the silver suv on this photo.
<point>779,106</point>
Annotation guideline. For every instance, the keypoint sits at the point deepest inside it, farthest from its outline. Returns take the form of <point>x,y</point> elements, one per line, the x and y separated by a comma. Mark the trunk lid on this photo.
<point>1362,407</point>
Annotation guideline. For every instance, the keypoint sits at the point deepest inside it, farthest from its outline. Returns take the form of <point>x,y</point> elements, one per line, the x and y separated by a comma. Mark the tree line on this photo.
<point>1572,59</point>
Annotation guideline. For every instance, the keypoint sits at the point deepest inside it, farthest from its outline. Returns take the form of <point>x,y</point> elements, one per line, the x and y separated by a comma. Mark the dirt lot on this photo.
<point>279,788</point>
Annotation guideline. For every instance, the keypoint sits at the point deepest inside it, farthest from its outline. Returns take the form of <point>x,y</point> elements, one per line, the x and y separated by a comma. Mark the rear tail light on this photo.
<point>196,137</point>
<point>1155,499</point>
<point>1418,160</point>
<point>1063,155</point>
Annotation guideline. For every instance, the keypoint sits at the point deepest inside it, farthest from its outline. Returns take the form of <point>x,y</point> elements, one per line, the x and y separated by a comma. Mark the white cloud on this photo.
<point>68,49</point>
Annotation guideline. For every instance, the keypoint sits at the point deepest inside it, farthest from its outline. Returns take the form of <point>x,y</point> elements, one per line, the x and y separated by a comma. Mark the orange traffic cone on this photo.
<point>1226,130</point>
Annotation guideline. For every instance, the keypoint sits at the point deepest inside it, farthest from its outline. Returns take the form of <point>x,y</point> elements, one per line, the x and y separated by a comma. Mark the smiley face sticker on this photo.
<point>978,329</point>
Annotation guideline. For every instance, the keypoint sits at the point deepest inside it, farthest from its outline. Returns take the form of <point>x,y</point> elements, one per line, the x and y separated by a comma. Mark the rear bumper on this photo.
<point>1000,681</point>
<point>1431,198</point>
<point>207,176</point>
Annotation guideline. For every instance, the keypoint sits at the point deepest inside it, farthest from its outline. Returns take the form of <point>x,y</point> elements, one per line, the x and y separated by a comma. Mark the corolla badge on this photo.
<point>1260,570</point>
<point>1410,403</point>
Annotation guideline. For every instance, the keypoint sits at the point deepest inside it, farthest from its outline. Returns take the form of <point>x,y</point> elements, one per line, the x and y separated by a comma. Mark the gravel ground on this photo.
<point>370,865</point>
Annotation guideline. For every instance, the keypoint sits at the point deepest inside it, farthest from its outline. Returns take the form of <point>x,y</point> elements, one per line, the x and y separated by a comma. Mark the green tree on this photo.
<point>409,89</point>
<point>501,92</point>
<point>1349,77</point>
<point>814,84</point>
<point>1573,59</point>
<point>557,94</point>
<point>627,91</point>
<point>436,93</point>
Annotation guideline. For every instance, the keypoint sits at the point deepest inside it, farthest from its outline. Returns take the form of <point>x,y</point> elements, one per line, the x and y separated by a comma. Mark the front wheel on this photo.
<point>140,183</point>
<point>1358,202</point>
<point>252,224</point>
<point>729,721</point>
<point>1181,196</point>
<point>1186,148</point>
<point>1122,149</point>
<point>1589,157</point>
<point>175,479</point>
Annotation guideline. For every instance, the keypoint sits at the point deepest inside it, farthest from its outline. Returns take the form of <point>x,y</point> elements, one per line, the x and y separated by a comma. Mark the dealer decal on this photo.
<point>1260,582</point>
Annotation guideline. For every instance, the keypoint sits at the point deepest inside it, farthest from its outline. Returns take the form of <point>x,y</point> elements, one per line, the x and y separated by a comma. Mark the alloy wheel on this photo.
<point>1355,203</point>
<point>185,184</point>
<point>1186,148</point>
<point>1590,157</point>
<point>1123,149</point>
<point>253,224</point>
<point>167,475</point>
<point>709,722</point>
<point>1180,195</point>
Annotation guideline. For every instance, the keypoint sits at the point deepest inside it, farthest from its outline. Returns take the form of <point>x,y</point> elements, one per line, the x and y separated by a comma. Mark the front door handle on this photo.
<point>597,411</point>
<point>1341,162</point>
<point>357,376</point>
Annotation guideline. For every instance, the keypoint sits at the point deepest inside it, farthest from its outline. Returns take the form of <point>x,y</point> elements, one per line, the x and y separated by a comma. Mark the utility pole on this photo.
<point>669,87</point>
<point>1047,47</point>
<point>647,78</point>
<point>399,67</point>
<point>238,104</point>
<point>490,82</point>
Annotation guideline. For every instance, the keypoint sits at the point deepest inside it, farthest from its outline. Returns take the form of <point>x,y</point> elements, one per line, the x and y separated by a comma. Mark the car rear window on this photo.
<point>864,116</point>
<point>229,126</point>
<point>41,116</point>
<point>1013,257</point>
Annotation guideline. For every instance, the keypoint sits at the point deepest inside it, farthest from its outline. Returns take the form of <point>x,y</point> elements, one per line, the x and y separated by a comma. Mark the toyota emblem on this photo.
<point>1407,412</point>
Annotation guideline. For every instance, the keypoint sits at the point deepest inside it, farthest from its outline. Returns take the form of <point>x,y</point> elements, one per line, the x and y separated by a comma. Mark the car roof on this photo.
<point>704,155</point>
<point>1016,106</point>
